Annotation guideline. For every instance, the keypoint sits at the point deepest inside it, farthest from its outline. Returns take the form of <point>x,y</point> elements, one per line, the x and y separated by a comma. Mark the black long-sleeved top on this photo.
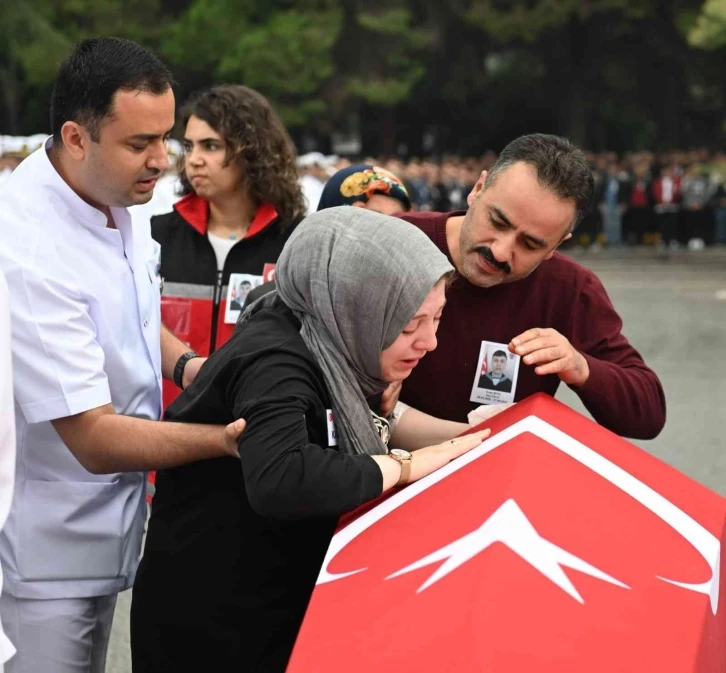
<point>234,546</point>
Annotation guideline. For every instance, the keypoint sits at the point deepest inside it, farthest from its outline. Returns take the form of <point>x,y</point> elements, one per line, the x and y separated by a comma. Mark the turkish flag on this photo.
<point>268,272</point>
<point>555,546</point>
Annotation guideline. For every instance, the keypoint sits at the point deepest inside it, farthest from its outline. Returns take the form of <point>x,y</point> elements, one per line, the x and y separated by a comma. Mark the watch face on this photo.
<point>400,453</point>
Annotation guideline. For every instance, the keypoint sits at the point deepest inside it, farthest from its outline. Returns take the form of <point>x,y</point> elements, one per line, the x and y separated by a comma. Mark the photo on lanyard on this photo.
<point>495,379</point>
<point>240,285</point>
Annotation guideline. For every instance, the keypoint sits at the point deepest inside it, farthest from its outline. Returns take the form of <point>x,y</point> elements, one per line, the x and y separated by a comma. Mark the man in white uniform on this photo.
<point>7,436</point>
<point>89,353</point>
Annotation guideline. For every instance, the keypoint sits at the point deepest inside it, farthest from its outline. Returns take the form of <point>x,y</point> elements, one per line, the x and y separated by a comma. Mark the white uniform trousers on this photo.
<point>67,635</point>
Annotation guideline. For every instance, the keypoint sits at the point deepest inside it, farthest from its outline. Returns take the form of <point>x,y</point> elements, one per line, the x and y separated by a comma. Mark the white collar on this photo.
<point>64,200</point>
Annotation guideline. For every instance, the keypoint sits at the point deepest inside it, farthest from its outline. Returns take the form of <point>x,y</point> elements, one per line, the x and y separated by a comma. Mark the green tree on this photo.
<point>605,61</point>
<point>282,49</point>
<point>379,61</point>
<point>318,61</point>
<point>35,35</point>
<point>471,74</point>
<point>709,31</point>
<point>294,71</point>
<point>29,42</point>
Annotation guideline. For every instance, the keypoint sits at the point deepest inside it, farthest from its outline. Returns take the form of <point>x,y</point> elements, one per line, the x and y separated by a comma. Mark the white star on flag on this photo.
<point>510,526</point>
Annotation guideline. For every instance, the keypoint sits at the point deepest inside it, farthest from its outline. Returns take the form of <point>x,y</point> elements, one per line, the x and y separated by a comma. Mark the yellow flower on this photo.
<point>354,185</point>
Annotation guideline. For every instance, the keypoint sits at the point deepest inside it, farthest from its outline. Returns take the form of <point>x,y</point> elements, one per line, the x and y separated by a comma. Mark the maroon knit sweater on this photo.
<point>622,393</point>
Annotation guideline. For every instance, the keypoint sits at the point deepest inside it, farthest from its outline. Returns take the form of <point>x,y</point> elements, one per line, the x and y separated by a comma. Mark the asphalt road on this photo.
<point>674,312</point>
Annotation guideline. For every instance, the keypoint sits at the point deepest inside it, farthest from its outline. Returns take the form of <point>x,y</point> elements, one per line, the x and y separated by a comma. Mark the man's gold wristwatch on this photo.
<point>404,458</point>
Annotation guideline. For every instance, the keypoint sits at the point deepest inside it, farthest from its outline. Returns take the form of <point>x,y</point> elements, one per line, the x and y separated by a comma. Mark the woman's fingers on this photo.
<point>432,458</point>
<point>460,445</point>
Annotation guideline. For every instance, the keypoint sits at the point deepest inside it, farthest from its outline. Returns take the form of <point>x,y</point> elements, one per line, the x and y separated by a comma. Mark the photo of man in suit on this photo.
<point>495,379</point>
<point>242,291</point>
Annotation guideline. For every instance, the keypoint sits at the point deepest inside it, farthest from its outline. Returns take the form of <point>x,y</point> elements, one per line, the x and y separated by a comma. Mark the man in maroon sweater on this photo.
<point>551,315</point>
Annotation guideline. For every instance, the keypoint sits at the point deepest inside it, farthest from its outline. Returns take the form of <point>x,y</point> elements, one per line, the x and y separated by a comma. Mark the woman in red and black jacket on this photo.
<point>242,201</point>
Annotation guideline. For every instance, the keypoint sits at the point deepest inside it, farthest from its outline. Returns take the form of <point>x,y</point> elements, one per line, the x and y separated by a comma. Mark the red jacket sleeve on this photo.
<point>622,393</point>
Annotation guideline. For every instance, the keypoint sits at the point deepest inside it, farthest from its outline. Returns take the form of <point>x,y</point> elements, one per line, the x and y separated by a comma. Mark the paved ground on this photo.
<point>674,312</point>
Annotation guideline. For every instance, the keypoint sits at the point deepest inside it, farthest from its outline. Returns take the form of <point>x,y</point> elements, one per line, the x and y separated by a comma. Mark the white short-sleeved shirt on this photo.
<point>7,436</point>
<point>85,317</point>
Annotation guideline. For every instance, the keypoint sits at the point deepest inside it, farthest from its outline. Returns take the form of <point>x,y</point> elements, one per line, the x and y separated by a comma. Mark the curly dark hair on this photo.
<point>256,139</point>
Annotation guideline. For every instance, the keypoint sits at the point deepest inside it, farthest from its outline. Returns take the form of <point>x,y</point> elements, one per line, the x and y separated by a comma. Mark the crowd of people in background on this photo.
<point>668,200</point>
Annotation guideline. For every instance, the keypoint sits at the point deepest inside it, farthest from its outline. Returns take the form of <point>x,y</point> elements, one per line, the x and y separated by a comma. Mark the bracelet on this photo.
<point>179,368</point>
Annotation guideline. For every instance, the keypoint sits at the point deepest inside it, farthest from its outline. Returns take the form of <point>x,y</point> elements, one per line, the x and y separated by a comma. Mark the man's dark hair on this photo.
<point>499,354</point>
<point>88,79</point>
<point>561,167</point>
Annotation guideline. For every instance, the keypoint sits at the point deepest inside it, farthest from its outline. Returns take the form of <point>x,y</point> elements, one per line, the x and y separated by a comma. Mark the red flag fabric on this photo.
<point>555,546</point>
<point>268,273</point>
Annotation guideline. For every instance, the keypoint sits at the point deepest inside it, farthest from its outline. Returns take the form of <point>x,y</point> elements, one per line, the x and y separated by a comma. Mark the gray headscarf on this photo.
<point>354,279</point>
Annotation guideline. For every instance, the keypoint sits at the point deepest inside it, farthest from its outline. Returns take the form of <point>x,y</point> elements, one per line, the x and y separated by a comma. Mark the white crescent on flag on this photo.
<point>707,545</point>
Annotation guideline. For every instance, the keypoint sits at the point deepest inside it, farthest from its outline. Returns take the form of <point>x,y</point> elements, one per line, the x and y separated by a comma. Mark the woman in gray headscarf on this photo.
<point>232,555</point>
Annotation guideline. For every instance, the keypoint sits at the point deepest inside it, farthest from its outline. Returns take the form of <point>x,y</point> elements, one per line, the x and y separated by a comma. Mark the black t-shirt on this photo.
<point>234,547</point>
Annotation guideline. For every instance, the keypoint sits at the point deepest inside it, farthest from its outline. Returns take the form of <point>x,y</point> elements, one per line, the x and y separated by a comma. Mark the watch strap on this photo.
<point>179,368</point>
<point>405,472</point>
<point>404,459</point>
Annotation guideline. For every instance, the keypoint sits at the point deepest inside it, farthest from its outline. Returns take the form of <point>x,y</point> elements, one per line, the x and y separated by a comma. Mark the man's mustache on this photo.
<point>487,254</point>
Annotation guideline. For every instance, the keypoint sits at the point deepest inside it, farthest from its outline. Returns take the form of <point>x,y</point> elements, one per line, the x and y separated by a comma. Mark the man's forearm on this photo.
<point>171,350</point>
<point>629,401</point>
<point>417,429</point>
<point>118,443</point>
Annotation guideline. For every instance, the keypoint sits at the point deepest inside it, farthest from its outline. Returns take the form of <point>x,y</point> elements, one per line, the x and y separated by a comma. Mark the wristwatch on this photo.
<point>404,458</point>
<point>179,368</point>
